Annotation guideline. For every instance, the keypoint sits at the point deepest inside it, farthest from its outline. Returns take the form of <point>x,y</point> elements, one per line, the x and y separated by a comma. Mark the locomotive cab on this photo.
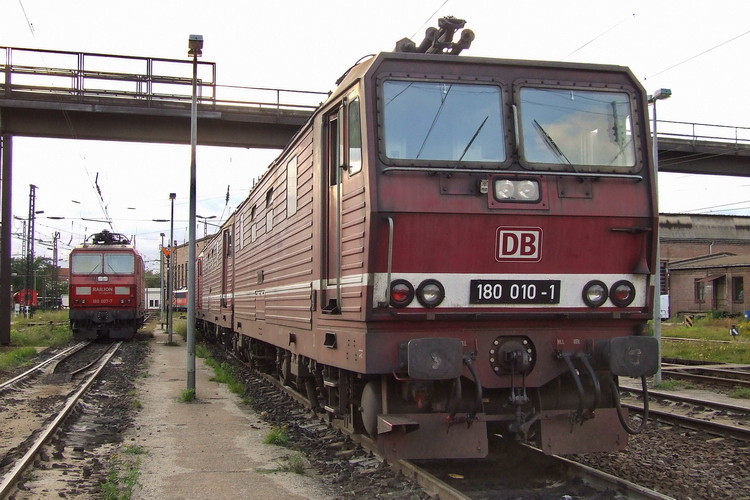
<point>107,288</point>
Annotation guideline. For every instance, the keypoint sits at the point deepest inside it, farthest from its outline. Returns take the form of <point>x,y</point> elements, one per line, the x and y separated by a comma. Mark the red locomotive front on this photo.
<point>453,247</point>
<point>107,288</point>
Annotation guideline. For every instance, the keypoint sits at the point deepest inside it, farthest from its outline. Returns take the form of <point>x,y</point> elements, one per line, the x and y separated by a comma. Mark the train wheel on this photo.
<point>370,407</point>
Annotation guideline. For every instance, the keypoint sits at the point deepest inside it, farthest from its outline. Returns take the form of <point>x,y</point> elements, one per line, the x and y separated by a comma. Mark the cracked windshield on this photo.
<point>443,122</point>
<point>573,127</point>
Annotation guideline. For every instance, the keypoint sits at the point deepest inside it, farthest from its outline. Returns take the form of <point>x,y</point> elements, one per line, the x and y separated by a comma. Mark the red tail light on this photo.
<point>622,293</point>
<point>402,293</point>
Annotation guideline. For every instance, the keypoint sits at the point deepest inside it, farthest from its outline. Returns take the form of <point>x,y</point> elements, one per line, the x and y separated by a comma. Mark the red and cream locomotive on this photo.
<point>451,247</point>
<point>107,288</point>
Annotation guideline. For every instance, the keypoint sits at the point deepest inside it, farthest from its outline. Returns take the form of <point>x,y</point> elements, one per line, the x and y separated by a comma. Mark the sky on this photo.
<point>697,49</point>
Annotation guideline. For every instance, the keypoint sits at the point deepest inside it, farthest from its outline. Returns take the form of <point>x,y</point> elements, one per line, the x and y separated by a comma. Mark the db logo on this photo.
<point>519,244</point>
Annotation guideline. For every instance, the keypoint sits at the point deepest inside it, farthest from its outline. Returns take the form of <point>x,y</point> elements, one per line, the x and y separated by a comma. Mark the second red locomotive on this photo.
<point>107,288</point>
<point>452,247</point>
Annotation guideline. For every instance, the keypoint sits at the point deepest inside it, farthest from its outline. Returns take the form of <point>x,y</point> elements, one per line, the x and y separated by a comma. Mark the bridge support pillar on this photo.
<point>6,242</point>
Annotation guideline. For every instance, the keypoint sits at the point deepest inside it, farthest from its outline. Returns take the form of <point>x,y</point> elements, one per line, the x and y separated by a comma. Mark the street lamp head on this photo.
<point>172,196</point>
<point>659,95</point>
<point>195,45</point>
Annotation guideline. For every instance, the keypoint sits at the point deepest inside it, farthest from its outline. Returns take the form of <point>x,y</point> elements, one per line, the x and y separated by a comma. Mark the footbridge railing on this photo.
<point>35,74</point>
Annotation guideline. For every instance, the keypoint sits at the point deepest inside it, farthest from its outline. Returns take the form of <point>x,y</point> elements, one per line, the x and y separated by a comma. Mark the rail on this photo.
<point>37,74</point>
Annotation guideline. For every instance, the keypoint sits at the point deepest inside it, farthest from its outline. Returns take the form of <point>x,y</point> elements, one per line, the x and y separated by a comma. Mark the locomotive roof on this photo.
<point>375,60</point>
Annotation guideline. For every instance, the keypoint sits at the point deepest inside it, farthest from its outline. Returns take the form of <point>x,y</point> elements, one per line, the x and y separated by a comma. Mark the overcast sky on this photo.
<point>699,50</point>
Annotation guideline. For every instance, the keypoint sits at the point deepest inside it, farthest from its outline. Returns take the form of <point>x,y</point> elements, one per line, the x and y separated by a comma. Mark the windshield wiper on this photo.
<point>435,119</point>
<point>552,145</point>
<point>473,137</point>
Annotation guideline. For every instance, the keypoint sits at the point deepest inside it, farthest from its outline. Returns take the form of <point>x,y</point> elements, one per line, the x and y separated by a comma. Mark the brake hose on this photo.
<point>616,396</point>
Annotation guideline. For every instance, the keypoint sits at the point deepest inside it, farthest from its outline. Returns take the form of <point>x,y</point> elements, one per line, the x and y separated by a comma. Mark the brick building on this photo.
<point>707,261</point>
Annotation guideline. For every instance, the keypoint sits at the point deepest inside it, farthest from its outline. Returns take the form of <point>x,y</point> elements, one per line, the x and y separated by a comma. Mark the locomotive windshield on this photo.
<point>98,263</point>
<point>443,122</point>
<point>576,128</point>
<point>86,263</point>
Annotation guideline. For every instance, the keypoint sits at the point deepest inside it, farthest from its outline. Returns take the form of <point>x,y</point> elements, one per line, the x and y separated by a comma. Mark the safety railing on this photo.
<point>704,132</point>
<point>141,81</point>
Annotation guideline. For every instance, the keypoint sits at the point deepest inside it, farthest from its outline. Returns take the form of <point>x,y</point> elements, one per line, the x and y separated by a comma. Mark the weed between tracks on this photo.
<point>123,474</point>
<point>278,436</point>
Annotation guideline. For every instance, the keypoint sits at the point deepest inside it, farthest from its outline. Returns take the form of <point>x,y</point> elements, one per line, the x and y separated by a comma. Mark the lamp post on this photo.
<point>170,274</point>
<point>657,96</point>
<point>195,48</point>
<point>161,278</point>
<point>205,223</point>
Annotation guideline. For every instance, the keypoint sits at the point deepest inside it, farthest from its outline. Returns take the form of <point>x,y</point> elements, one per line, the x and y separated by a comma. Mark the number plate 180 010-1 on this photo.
<point>515,292</point>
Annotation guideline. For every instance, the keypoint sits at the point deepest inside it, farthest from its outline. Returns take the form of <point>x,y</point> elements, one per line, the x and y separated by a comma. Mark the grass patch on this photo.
<point>740,393</point>
<point>121,479</point>
<point>16,357</point>
<point>293,463</point>
<point>135,450</point>
<point>278,436</point>
<point>187,396</point>
<point>224,373</point>
<point>706,329</point>
<point>668,385</point>
<point>45,329</point>
<point>179,327</point>
<point>202,351</point>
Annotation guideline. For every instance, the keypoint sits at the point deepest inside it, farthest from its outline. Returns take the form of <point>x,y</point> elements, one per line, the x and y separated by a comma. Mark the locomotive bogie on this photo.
<point>451,244</point>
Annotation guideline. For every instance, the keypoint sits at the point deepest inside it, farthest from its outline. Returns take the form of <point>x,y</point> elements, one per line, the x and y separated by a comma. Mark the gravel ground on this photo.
<point>679,463</point>
<point>77,461</point>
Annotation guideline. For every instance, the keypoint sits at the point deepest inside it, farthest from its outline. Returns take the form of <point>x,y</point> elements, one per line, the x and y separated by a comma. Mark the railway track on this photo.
<point>519,471</point>
<point>724,375</point>
<point>713,417</point>
<point>35,403</point>
<point>494,477</point>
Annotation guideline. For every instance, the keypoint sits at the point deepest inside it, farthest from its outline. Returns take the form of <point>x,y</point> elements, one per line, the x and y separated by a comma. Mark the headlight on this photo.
<point>504,190</point>
<point>622,293</point>
<point>430,293</point>
<point>402,293</point>
<point>595,293</point>
<point>516,190</point>
<point>527,190</point>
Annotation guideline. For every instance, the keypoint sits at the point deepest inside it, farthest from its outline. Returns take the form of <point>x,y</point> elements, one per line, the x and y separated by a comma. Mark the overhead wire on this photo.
<point>600,35</point>
<point>429,18</point>
<point>69,124</point>
<point>700,54</point>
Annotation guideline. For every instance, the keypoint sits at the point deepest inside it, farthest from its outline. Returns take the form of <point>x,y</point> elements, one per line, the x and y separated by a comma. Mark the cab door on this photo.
<point>333,157</point>
<point>346,208</point>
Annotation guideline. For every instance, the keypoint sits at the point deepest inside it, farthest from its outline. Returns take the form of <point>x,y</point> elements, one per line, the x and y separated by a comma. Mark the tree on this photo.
<point>44,277</point>
<point>153,279</point>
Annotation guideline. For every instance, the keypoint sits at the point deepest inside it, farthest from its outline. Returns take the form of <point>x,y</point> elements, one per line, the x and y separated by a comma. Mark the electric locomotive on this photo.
<point>452,247</point>
<point>107,288</point>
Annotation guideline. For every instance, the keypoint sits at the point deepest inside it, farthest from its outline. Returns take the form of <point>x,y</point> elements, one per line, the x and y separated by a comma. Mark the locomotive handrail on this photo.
<point>390,261</point>
<point>444,170</point>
